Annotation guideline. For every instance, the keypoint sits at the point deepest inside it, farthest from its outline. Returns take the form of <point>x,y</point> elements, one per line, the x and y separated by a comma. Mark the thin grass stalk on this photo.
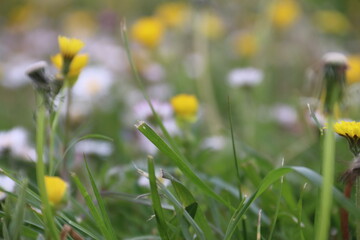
<point>66,131</point>
<point>52,134</point>
<point>357,200</point>
<point>326,197</point>
<point>277,209</point>
<point>48,218</point>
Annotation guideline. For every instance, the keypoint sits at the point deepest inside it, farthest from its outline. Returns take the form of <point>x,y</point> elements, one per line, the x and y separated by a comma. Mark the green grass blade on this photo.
<point>272,177</point>
<point>100,202</point>
<point>93,209</point>
<point>156,203</point>
<point>179,161</point>
<point>17,220</point>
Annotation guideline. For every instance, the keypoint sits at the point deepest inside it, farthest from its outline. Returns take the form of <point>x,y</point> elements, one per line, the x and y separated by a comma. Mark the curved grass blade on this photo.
<point>179,161</point>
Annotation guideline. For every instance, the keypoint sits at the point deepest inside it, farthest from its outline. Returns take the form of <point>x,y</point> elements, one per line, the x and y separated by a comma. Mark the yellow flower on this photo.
<point>283,13</point>
<point>185,106</point>
<point>173,14</point>
<point>75,67</point>
<point>148,31</point>
<point>56,189</point>
<point>348,129</point>
<point>211,25</point>
<point>332,22</point>
<point>69,47</point>
<point>353,71</point>
<point>246,44</point>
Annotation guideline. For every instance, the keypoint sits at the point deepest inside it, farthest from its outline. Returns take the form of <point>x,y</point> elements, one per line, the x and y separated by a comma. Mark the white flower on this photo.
<point>16,141</point>
<point>215,142</point>
<point>284,115</point>
<point>93,83</point>
<point>143,180</point>
<point>14,72</point>
<point>101,148</point>
<point>6,184</point>
<point>142,110</point>
<point>245,77</point>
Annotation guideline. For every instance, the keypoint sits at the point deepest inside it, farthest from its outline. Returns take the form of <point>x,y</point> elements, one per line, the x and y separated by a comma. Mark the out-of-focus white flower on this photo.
<point>284,114</point>
<point>143,180</point>
<point>160,91</point>
<point>93,83</point>
<point>215,143</point>
<point>146,145</point>
<point>153,72</point>
<point>14,72</point>
<point>16,142</point>
<point>245,77</point>
<point>142,110</point>
<point>6,184</point>
<point>171,126</point>
<point>96,147</point>
<point>105,52</point>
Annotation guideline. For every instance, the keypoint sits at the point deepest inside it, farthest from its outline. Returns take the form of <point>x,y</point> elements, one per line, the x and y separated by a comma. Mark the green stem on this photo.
<point>357,199</point>
<point>67,132</point>
<point>54,125</point>
<point>40,170</point>
<point>328,161</point>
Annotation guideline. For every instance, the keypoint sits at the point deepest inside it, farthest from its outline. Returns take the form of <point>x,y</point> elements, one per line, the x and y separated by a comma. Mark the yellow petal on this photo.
<point>56,189</point>
<point>69,47</point>
<point>77,64</point>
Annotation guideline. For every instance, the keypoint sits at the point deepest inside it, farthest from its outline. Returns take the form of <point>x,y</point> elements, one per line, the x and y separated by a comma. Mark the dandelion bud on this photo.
<point>335,65</point>
<point>56,189</point>
<point>37,73</point>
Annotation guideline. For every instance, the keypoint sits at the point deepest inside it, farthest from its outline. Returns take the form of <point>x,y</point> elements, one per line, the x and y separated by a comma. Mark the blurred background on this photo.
<point>264,57</point>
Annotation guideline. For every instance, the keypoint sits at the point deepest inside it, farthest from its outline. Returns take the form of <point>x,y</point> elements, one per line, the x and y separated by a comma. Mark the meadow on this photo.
<point>198,119</point>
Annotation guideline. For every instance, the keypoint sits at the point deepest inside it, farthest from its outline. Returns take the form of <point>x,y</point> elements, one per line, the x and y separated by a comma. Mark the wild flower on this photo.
<point>56,189</point>
<point>283,13</point>
<point>246,44</point>
<point>148,31</point>
<point>353,70</point>
<point>185,107</point>
<point>173,14</point>
<point>245,77</point>
<point>351,131</point>
<point>69,47</point>
<point>94,147</point>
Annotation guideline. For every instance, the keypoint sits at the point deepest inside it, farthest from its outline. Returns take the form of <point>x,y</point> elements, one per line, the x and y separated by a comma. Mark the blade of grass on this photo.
<point>156,203</point>
<point>275,175</point>
<point>179,161</point>
<point>93,209</point>
<point>17,221</point>
<point>273,224</point>
<point>100,202</point>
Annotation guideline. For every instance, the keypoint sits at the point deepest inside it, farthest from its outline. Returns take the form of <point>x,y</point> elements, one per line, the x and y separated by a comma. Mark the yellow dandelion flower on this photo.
<point>351,131</point>
<point>56,189</point>
<point>246,45</point>
<point>148,31</point>
<point>353,70</point>
<point>173,14</point>
<point>185,106</point>
<point>283,13</point>
<point>211,25</point>
<point>69,47</point>
<point>332,22</point>
<point>75,67</point>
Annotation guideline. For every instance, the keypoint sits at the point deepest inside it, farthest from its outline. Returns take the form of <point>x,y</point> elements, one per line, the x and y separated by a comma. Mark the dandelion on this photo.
<point>185,107</point>
<point>353,71</point>
<point>69,47</point>
<point>56,189</point>
<point>350,131</point>
<point>283,13</point>
<point>173,14</point>
<point>75,67</point>
<point>148,31</point>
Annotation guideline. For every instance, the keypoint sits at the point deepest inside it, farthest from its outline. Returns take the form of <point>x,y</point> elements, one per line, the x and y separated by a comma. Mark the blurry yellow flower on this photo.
<point>56,189</point>
<point>353,71</point>
<point>332,22</point>
<point>148,31</point>
<point>82,23</point>
<point>211,25</point>
<point>246,45</point>
<point>69,47</point>
<point>173,14</point>
<point>185,106</point>
<point>283,13</point>
<point>76,65</point>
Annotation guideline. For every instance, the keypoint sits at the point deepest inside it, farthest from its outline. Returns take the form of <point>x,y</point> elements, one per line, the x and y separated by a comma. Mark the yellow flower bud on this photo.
<point>185,106</point>
<point>148,31</point>
<point>56,189</point>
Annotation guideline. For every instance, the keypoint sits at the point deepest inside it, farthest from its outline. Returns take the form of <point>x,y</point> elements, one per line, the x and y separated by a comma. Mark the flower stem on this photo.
<point>64,171</point>
<point>40,170</point>
<point>323,217</point>
<point>357,199</point>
